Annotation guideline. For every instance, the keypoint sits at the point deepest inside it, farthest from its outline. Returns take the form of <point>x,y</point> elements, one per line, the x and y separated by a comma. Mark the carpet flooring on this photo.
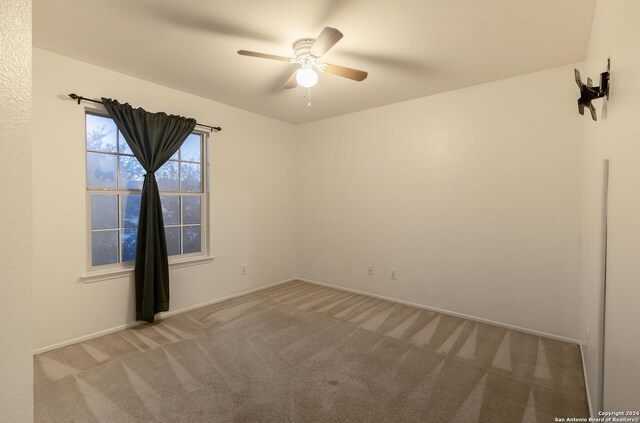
<point>299,352</point>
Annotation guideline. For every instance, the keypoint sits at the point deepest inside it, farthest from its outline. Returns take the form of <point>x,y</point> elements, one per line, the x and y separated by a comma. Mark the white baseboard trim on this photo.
<point>586,381</point>
<point>449,312</point>
<point>159,316</point>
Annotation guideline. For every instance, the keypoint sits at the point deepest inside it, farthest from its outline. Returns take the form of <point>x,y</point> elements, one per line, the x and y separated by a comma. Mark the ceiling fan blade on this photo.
<point>327,39</point>
<point>580,107</point>
<point>265,56</point>
<point>291,82</point>
<point>589,83</point>
<point>355,74</point>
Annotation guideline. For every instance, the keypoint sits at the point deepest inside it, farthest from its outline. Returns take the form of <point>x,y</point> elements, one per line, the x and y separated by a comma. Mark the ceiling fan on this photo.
<point>307,54</point>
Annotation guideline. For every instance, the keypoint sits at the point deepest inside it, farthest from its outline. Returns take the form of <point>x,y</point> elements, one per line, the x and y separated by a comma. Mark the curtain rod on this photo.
<point>79,98</point>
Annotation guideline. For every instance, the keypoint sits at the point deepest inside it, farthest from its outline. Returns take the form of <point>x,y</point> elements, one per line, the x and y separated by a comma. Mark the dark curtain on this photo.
<point>153,138</point>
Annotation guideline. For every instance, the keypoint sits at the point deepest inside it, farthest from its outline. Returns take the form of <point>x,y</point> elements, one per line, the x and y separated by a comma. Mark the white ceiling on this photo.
<point>411,48</point>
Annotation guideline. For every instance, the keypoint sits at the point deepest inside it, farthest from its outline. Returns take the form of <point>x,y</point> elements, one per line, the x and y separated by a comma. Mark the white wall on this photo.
<point>16,339</point>
<point>615,34</point>
<point>252,201</point>
<point>472,195</point>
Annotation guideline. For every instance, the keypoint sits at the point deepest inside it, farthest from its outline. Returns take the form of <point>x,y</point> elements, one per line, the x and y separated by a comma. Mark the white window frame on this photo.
<point>120,269</point>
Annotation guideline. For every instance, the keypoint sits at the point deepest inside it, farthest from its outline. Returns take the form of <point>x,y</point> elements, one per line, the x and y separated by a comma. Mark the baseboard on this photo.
<point>449,312</point>
<point>159,316</point>
<point>586,381</point>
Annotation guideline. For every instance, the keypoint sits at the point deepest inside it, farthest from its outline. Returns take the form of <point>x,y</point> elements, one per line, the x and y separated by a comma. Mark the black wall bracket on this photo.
<point>589,93</point>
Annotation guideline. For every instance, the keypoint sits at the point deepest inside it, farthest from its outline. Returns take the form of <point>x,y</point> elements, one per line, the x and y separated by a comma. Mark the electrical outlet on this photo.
<point>394,274</point>
<point>370,270</point>
<point>243,269</point>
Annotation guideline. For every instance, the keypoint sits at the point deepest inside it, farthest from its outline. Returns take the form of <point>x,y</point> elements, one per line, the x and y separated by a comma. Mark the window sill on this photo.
<point>102,275</point>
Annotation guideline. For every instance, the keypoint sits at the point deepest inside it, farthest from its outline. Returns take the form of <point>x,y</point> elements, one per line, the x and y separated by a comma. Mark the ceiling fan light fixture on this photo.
<point>306,77</point>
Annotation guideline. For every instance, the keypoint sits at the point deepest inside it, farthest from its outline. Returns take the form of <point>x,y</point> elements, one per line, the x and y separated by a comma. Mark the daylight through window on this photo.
<point>114,182</point>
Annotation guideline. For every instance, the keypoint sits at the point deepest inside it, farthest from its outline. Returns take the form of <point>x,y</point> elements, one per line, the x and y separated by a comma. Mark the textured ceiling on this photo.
<point>410,48</point>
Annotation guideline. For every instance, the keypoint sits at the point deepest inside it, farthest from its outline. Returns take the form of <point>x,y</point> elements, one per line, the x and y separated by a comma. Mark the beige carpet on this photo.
<point>299,352</point>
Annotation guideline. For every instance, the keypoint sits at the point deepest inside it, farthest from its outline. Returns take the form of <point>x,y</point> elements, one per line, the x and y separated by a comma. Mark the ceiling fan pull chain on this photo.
<point>309,97</point>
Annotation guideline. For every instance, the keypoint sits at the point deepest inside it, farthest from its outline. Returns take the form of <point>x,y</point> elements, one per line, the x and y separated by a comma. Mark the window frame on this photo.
<point>114,270</point>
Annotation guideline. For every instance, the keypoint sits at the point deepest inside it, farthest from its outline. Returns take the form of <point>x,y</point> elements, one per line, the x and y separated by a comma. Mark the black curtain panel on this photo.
<point>153,138</point>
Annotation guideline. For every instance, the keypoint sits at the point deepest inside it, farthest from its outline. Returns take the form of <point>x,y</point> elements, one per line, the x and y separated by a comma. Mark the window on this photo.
<point>114,182</point>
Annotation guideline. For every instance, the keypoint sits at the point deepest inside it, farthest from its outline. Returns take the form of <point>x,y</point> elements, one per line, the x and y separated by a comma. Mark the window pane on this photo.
<point>129,244</point>
<point>170,209</point>
<point>101,170</point>
<point>167,177</point>
<point>123,146</point>
<point>191,239</point>
<point>104,211</point>
<point>131,173</point>
<point>101,133</point>
<point>190,177</point>
<point>130,210</point>
<point>190,150</point>
<point>190,210</point>
<point>173,240</point>
<point>104,247</point>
